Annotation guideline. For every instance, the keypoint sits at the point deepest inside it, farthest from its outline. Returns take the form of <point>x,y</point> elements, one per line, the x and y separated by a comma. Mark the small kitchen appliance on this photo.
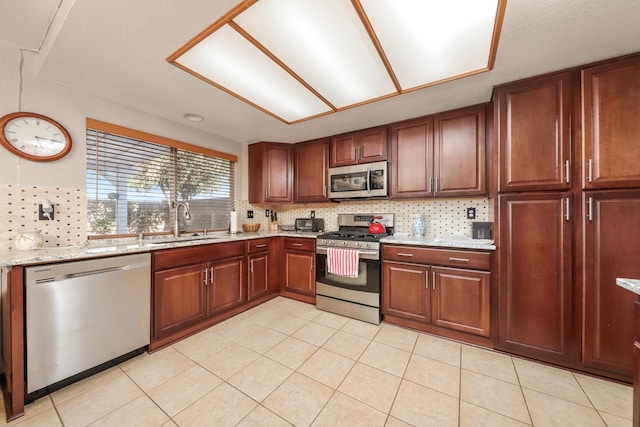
<point>309,224</point>
<point>367,180</point>
<point>357,297</point>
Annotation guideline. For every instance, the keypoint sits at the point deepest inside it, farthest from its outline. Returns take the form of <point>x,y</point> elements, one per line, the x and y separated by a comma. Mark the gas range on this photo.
<point>353,232</point>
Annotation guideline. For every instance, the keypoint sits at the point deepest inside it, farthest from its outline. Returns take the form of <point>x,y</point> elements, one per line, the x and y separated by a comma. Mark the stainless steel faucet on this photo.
<point>175,205</point>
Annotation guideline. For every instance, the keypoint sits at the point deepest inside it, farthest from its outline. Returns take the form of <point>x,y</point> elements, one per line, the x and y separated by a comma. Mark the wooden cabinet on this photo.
<point>226,287</point>
<point>405,291</point>
<point>535,296</point>
<point>534,134</point>
<point>270,173</point>
<point>310,171</point>
<point>610,106</point>
<point>179,298</point>
<point>300,266</point>
<point>364,146</point>
<point>459,164</point>
<point>460,300</point>
<point>439,156</point>
<point>426,286</point>
<point>194,283</point>
<point>258,265</point>
<point>611,248</point>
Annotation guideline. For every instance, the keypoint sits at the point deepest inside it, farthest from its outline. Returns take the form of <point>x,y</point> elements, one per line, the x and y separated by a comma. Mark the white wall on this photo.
<point>70,108</point>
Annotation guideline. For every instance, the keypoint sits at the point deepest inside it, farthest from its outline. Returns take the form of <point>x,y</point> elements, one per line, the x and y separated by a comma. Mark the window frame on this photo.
<point>110,128</point>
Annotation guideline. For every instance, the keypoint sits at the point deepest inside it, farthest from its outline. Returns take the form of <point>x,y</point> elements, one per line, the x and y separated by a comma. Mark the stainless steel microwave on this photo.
<point>358,181</point>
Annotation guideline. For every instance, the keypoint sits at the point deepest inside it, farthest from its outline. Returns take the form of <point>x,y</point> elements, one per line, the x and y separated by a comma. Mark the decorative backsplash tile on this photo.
<point>444,217</point>
<point>69,226</point>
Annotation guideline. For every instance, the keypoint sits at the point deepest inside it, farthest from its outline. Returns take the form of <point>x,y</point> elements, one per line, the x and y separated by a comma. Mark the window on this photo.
<point>132,178</point>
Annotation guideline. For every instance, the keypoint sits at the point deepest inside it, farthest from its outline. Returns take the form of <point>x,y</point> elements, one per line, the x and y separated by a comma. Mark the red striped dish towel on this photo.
<point>342,262</point>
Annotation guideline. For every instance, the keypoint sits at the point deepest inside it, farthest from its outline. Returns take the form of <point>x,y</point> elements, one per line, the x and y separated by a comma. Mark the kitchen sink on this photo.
<point>181,239</point>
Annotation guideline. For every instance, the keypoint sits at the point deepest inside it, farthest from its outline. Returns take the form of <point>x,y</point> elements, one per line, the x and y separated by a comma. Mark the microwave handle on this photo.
<point>369,180</point>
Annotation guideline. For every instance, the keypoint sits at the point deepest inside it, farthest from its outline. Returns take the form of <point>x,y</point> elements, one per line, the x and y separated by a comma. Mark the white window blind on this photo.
<point>131,183</point>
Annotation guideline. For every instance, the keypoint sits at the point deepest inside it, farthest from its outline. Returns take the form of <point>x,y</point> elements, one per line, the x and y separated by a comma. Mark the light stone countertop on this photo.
<point>108,247</point>
<point>632,285</point>
<point>462,242</point>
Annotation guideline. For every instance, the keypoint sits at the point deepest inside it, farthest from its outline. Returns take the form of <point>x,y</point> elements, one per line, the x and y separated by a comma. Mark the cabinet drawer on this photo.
<point>301,244</point>
<point>169,258</point>
<point>444,257</point>
<point>258,245</point>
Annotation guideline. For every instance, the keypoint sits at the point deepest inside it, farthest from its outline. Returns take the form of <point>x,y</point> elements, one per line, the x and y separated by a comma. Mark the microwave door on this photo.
<point>355,181</point>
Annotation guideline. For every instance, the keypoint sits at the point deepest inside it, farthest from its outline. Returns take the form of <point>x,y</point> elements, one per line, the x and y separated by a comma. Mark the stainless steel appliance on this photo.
<point>356,297</point>
<point>367,180</point>
<point>309,224</point>
<point>85,313</point>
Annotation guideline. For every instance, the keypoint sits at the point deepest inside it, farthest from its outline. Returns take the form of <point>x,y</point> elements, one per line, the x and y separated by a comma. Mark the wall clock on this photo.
<point>34,136</point>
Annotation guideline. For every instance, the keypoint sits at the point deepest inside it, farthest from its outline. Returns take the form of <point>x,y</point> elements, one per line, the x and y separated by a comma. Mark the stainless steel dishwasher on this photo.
<point>84,313</point>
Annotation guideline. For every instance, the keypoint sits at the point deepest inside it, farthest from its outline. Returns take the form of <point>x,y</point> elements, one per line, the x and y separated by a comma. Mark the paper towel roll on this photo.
<point>233,222</point>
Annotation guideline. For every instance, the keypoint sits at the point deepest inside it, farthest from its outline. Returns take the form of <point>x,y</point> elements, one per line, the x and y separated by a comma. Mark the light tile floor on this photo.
<point>286,363</point>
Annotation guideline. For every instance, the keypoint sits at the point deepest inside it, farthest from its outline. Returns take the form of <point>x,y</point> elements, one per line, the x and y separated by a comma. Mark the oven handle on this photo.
<point>361,254</point>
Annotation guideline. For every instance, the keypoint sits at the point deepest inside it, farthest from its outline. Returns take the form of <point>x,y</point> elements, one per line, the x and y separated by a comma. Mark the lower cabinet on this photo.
<point>226,288</point>
<point>194,283</point>
<point>425,286</point>
<point>300,266</point>
<point>179,298</point>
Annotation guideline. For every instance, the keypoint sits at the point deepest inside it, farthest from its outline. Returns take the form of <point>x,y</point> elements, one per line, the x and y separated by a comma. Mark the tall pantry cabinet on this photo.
<point>568,148</point>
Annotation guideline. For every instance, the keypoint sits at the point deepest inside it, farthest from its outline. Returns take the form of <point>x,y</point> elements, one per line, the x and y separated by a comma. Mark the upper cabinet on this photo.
<point>439,156</point>
<point>534,133</point>
<point>270,173</point>
<point>364,146</point>
<point>310,171</point>
<point>611,125</point>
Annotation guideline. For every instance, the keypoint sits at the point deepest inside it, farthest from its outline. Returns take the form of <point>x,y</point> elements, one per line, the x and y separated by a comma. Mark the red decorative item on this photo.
<point>376,227</point>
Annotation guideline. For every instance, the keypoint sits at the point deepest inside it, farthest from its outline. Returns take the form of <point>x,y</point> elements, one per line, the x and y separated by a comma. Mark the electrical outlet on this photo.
<point>471,213</point>
<point>313,214</point>
<point>249,214</point>
<point>266,213</point>
<point>46,212</point>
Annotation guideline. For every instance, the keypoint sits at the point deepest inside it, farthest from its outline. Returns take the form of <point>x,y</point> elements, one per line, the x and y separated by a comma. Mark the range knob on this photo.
<point>345,243</point>
<point>367,245</point>
<point>358,244</point>
<point>323,242</point>
<point>331,242</point>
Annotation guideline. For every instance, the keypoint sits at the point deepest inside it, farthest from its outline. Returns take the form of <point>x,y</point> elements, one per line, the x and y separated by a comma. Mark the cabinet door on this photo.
<point>178,298</point>
<point>258,277</point>
<point>534,134</point>
<point>311,163</point>
<point>460,300</point>
<point>612,245</point>
<point>279,173</point>
<point>611,101</point>
<point>300,272</point>
<point>270,172</point>
<point>226,285</point>
<point>372,145</point>
<point>343,150</point>
<point>459,152</point>
<point>412,159</point>
<point>535,282</point>
<point>405,291</point>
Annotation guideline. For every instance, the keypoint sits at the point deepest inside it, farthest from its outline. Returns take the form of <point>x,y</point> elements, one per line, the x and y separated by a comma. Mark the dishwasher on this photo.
<point>82,314</point>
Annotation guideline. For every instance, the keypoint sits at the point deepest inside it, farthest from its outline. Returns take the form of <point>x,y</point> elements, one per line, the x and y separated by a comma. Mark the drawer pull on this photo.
<point>458,259</point>
<point>296,244</point>
<point>404,254</point>
<point>261,246</point>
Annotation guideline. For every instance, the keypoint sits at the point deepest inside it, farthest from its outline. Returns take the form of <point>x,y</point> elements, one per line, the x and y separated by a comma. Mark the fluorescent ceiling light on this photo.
<point>297,60</point>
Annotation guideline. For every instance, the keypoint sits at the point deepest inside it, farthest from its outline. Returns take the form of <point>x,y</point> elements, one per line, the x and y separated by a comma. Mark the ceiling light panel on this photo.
<point>427,41</point>
<point>325,44</point>
<point>231,62</point>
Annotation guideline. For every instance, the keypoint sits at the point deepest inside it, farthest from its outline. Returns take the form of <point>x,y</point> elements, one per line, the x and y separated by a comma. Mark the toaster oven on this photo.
<point>309,224</point>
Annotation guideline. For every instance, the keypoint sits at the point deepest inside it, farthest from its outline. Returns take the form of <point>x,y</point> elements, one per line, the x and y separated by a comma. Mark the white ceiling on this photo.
<point>116,49</point>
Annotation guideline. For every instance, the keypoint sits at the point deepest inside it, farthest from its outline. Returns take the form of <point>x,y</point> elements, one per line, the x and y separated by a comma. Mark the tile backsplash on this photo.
<point>69,226</point>
<point>442,217</point>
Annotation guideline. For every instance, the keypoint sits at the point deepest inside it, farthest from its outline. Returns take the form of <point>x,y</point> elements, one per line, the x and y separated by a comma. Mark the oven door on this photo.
<point>368,279</point>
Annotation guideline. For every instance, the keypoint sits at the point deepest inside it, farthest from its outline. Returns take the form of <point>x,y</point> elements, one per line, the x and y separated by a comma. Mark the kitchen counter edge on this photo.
<point>632,285</point>
<point>441,242</point>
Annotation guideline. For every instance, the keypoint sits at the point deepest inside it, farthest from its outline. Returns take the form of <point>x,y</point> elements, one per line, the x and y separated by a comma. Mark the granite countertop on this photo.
<point>632,285</point>
<point>108,247</point>
<point>441,241</point>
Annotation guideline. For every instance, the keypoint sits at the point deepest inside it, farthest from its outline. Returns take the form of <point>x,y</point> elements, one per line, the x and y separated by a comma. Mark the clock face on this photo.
<point>34,137</point>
